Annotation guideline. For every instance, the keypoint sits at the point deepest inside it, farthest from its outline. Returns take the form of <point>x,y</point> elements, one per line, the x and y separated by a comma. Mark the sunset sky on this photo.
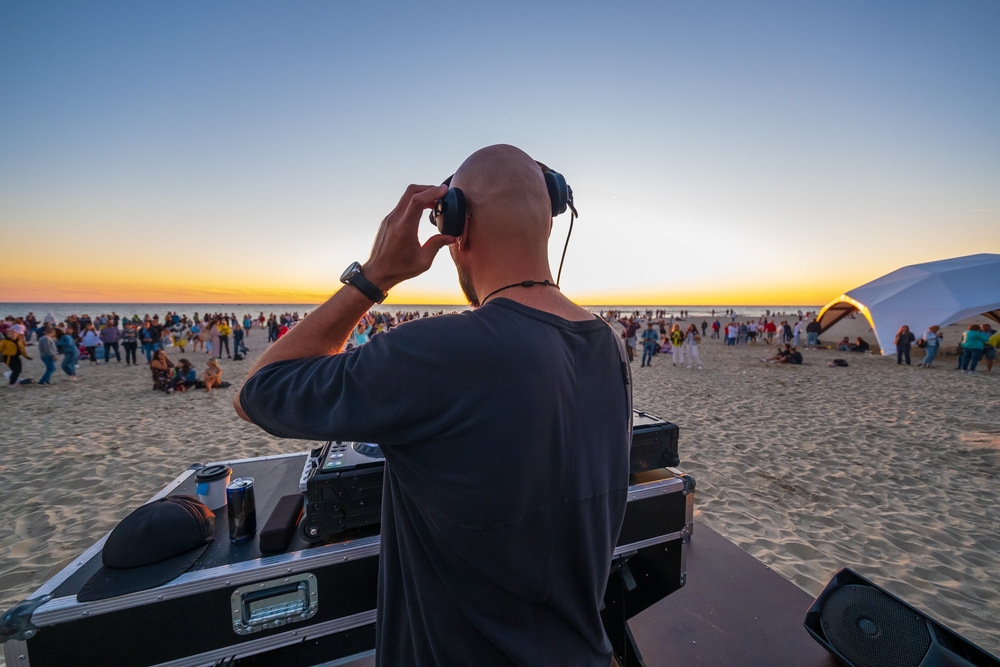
<point>725,153</point>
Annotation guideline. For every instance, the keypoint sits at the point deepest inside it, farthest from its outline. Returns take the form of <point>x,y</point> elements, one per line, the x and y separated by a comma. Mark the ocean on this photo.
<point>64,310</point>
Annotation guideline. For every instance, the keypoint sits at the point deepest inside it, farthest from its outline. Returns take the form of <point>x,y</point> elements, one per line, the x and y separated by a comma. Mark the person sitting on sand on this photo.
<point>213,374</point>
<point>160,366</point>
<point>793,357</point>
<point>185,376</point>
<point>844,345</point>
<point>860,345</point>
<point>780,356</point>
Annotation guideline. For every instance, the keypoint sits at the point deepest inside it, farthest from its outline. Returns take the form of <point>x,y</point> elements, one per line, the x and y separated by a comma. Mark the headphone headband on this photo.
<point>449,213</point>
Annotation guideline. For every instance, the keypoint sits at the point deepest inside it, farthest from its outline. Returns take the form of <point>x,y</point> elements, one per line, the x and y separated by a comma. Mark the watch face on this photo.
<point>351,271</point>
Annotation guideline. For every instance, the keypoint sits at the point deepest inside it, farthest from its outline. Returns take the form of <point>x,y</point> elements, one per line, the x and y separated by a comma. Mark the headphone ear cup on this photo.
<point>449,213</point>
<point>558,192</point>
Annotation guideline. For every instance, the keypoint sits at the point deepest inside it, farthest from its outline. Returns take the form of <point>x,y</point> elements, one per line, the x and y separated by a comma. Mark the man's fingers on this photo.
<point>424,200</point>
<point>411,190</point>
<point>437,242</point>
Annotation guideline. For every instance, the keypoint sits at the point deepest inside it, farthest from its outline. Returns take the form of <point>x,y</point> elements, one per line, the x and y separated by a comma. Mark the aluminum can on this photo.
<point>242,509</point>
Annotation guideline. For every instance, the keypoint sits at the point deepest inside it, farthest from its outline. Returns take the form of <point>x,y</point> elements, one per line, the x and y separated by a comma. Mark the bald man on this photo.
<point>505,429</point>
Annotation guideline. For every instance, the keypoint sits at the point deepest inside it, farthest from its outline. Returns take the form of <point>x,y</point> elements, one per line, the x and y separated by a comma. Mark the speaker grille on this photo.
<point>871,629</point>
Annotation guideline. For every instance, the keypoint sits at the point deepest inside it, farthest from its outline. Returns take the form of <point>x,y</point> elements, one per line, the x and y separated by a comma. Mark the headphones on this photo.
<point>449,213</point>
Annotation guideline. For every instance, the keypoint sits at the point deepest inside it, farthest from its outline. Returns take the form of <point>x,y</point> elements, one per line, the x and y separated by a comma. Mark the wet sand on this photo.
<point>891,470</point>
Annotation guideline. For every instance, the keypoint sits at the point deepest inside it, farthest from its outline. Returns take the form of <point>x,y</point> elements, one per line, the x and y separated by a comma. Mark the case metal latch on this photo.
<point>273,604</point>
<point>16,622</point>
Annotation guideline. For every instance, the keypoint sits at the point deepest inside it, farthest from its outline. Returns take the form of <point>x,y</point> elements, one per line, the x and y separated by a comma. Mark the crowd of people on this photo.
<point>147,340</point>
<point>661,334</point>
<point>97,340</point>
<point>657,332</point>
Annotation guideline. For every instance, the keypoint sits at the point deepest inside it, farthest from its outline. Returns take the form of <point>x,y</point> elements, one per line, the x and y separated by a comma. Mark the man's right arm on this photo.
<point>397,255</point>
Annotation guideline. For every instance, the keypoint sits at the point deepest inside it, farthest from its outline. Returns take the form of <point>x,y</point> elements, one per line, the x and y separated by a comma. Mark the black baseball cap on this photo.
<point>151,546</point>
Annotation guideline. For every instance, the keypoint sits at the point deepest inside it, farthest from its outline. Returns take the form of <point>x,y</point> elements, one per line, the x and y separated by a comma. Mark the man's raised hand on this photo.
<point>397,254</point>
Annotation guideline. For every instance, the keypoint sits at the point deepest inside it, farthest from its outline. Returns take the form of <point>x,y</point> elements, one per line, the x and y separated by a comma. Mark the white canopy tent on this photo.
<point>940,293</point>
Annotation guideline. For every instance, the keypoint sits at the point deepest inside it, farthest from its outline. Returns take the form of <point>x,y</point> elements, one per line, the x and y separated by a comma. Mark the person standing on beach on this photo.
<point>812,334</point>
<point>156,334</point>
<point>109,337</point>
<point>11,351</point>
<point>628,334</point>
<point>49,352</point>
<point>990,346</point>
<point>973,346</point>
<point>691,340</point>
<point>214,345</point>
<point>931,343</point>
<point>546,411</point>
<point>649,339</point>
<point>238,347</point>
<point>146,336</point>
<point>31,327</point>
<point>904,338</point>
<point>67,348</point>
<point>676,344</point>
<point>90,340</point>
<point>130,341</point>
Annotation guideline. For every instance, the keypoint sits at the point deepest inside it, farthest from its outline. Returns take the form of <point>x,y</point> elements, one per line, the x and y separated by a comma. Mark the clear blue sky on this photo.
<point>791,150</point>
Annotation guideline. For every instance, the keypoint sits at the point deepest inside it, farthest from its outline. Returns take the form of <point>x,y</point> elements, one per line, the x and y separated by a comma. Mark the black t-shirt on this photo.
<point>795,357</point>
<point>506,433</point>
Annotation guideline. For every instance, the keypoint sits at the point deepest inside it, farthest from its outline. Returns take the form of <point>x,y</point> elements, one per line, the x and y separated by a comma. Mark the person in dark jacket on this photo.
<point>130,341</point>
<point>812,334</point>
<point>904,339</point>
<point>110,337</point>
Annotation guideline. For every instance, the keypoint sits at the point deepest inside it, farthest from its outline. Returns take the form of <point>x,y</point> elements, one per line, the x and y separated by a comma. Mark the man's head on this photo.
<point>509,217</point>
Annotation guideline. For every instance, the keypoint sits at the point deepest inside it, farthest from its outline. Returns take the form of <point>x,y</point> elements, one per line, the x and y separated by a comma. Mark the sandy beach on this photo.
<point>891,470</point>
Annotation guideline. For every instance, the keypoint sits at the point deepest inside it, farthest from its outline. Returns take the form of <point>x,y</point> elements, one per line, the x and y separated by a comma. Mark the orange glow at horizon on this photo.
<point>813,294</point>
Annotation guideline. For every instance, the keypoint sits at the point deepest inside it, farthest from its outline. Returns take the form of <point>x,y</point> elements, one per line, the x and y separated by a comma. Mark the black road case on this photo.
<point>312,605</point>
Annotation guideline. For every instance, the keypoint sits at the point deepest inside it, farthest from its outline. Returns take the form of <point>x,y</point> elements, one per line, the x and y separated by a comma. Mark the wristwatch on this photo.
<point>352,276</point>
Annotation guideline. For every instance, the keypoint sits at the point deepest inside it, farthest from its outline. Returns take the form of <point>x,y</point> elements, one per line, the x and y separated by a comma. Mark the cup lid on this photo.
<point>212,473</point>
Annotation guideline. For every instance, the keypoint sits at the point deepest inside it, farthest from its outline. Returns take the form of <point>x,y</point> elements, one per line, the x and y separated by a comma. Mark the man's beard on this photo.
<point>465,282</point>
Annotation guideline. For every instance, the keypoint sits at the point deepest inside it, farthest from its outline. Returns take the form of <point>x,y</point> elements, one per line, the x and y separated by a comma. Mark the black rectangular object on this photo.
<point>654,443</point>
<point>277,532</point>
<point>342,483</point>
<point>190,621</point>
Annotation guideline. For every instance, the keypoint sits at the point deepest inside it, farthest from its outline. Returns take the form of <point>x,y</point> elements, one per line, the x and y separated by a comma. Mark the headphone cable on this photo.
<point>572,217</point>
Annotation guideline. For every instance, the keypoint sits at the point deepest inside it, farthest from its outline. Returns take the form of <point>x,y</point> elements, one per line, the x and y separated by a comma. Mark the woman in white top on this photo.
<point>691,340</point>
<point>932,339</point>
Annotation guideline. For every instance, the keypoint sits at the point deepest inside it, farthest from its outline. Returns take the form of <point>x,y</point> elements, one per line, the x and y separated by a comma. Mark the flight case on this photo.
<point>312,605</point>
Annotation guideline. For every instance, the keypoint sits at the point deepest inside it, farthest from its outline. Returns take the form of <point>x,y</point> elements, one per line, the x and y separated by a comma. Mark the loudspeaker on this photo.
<point>863,625</point>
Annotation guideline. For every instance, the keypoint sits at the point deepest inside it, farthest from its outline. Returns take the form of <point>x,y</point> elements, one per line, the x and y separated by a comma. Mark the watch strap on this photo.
<point>366,287</point>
